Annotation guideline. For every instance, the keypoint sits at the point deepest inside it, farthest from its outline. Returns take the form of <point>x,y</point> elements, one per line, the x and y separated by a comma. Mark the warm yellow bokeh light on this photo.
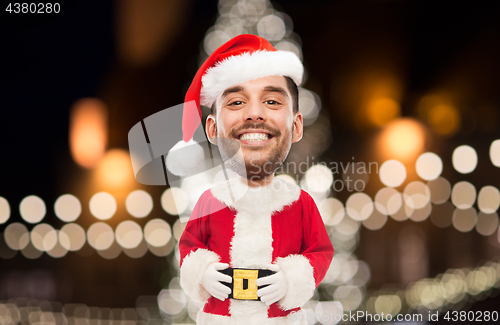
<point>402,139</point>
<point>68,208</point>
<point>376,220</point>
<point>383,110</point>
<point>174,201</point>
<point>16,236</point>
<point>4,210</point>
<point>100,236</point>
<point>102,205</point>
<point>72,237</point>
<point>44,237</point>
<point>128,234</point>
<point>359,206</point>
<point>444,119</point>
<point>388,201</point>
<point>392,173</point>
<point>139,203</point>
<point>440,113</point>
<point>157,232</point>
<point>115,169</point>
<point>88,131</point>
<point>332,211</point>
<point>32,209</point>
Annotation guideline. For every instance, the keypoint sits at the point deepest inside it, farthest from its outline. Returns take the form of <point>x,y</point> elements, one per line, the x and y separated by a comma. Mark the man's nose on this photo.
<point>255,111</point>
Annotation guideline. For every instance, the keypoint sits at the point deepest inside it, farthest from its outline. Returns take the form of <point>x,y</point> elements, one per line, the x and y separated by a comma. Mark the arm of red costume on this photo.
<point>305,271</point>
<point>195,256</point>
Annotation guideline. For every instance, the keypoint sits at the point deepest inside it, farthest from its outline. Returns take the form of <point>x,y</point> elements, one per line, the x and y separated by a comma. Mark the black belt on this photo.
<point>243,286</point>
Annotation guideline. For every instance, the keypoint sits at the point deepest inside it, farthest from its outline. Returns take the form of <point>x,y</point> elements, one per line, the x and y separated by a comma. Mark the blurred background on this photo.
<point>401,152</point>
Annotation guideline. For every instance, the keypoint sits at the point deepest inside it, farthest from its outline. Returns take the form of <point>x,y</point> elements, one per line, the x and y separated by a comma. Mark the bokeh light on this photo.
<point>464,159</point>
<point>290,46</point>
<point>417,195</point>
<point>88,131</point>
<point>128,234</point>
<point>392,173</point>
<point>138,251</point>
<point>112,252</point>
<point>115,169</point>
<point>359,206</point>
<point>440,190</point>
<point>31,252</point>
<point>32,209</point>
<point>488,199</point>
<point>174,201</point>
<point>333,309</point>
<point>102,205</point>
<point>388,200</point>
<point>157,232</point>
<point>4,210</point>
<point>401,214</point>
<point>420,214</point>
<point>375,221</point>
<point>172,301</point>
<point>308,105</point>
<point>72,237</point>
<point>403,139</point>
<point>387,304</point>
<point>178,229</point>
<point>318,178</point>
<point>58,250</point>
<point>67,208</point>
<point>349,296</point>
<point>44,237</point>
<point>382,110</point>
<point>164,250</point>
<point>100,236</point>
<point>463,195</point>
<point>271,27</point>
<point>464,220</point>
<point>332,211</point>
<point>487,223</point>
<point>139,203</point>
<point>495,153</point>
<point>429,166</point>
<point>444,119</point>
<point>16,236</point>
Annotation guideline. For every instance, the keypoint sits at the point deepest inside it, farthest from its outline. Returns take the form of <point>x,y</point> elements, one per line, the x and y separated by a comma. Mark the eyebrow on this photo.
<point>276,90</point>
<point>236,89</point>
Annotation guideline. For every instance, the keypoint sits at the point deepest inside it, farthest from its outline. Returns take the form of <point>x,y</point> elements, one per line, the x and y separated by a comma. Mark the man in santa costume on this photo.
<point>258,258</point>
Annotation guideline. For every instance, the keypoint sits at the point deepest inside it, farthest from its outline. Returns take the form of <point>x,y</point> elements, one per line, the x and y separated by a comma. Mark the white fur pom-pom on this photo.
<point>185,162</point>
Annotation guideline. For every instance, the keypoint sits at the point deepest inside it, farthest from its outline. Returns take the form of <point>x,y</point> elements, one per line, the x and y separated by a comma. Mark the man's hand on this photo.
<point>277,286</point>
<point>211,281</point>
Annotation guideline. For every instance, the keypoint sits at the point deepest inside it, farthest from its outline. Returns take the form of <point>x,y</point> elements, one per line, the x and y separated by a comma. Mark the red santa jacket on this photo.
<point>251,228</point>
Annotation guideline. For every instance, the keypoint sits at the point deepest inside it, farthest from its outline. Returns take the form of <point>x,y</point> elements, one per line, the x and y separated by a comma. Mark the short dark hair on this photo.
<point>292,88</point>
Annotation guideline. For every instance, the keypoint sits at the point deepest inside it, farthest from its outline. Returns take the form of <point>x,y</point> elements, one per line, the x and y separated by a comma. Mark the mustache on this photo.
<point>255,126</point>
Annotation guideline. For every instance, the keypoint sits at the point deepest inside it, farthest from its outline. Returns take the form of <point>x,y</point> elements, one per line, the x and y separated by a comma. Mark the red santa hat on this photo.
<point>242,58</point>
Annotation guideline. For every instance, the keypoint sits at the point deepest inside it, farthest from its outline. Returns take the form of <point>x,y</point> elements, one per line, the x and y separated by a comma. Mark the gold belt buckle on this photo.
<point>242,279</point>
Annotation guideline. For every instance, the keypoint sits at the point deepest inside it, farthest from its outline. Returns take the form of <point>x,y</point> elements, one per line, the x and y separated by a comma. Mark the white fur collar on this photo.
<point>236,194</point>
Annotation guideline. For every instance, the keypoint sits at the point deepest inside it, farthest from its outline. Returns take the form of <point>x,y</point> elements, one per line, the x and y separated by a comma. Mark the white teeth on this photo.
<point>254,137</point>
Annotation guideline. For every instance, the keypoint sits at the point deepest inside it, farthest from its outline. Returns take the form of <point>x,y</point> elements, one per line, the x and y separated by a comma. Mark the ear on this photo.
<point>211,129</point>
<point>298,127</point>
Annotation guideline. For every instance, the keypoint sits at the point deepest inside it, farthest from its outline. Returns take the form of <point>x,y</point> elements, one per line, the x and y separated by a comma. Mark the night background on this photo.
<point>386,80</point>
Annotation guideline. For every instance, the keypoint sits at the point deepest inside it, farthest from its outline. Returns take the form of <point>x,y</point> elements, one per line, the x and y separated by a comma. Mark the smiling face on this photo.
<point>259,115</point>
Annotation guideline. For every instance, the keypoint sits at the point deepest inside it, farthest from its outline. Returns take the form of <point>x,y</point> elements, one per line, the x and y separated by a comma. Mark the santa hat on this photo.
<point>242,58</point>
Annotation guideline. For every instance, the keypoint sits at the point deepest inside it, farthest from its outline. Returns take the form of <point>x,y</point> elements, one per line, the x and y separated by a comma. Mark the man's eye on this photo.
<point>236,103</point>
<point>272,102</point>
